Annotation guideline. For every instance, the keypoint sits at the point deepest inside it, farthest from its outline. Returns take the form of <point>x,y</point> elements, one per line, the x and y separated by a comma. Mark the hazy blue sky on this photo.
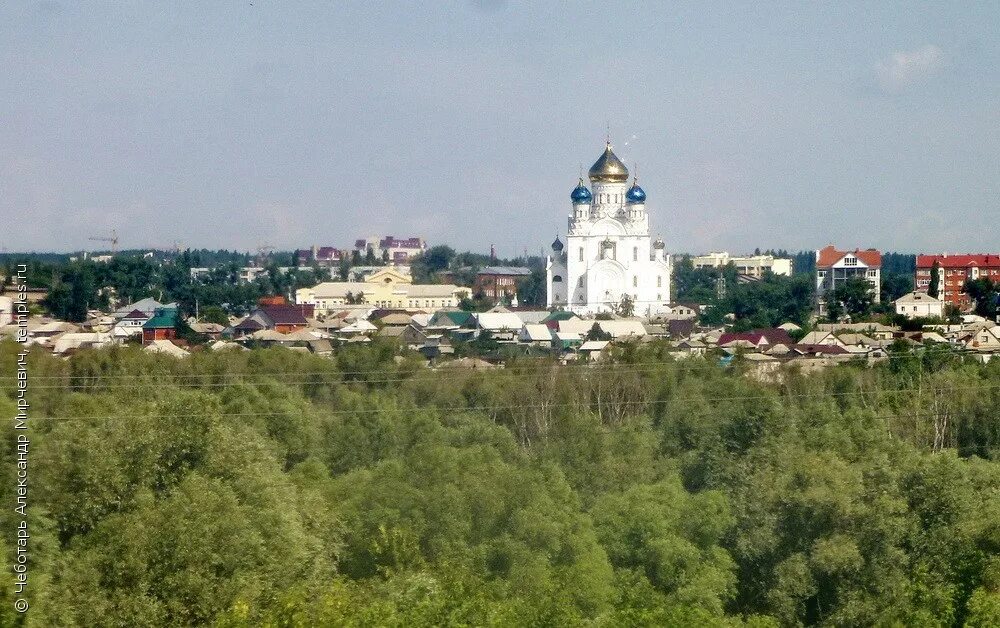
<point>230,124</point>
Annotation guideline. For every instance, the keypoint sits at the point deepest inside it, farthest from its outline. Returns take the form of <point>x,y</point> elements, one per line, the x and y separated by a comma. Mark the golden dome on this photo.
<point>608,168</point>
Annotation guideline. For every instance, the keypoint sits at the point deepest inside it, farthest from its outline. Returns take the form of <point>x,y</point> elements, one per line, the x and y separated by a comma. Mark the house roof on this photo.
<point>757,337</point>
<point>807,349</point>
<point>248,324</point>
<point>829,255</point>
<point>165,346</point>
<point>136,314</point>
<point>163,318</point>
<point>519,271</point>
<point>285,314</point>
<point>536,332</point>
<point>498,320</point>
<point>559,315</point>
<point>913,297</point>
<point>680,328</point>
<point>594,345</point>
<point>958,261</point>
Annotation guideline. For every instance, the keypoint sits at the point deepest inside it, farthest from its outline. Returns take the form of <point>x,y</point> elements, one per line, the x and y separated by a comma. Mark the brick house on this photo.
<point>955,270</point>
<point>498,282</point>
<point>162,326</point>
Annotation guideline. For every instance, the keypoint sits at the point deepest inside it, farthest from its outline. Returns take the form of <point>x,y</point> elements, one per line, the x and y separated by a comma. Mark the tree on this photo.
<point>855,294</point>
<point>626,307</point>
<point>932,287</point>
<point>984,293</point>
<point>215,314</point>
<point>596,333</point>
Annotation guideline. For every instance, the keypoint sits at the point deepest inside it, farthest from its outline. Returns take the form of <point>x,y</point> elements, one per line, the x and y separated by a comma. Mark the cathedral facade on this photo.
<point>608,258</point>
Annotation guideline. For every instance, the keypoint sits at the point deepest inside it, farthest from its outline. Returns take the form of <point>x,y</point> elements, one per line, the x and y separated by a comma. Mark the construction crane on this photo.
<point>113,240</point>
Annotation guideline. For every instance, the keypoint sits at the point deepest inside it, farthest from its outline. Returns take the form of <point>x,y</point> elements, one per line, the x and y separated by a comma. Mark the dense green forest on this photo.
<point>281,489</point>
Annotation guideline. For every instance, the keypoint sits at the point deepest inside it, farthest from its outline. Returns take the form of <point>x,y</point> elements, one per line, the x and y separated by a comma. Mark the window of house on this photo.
<point>635,254</point>
<point>659,282</point>
<point>635,282</point>
<point>850,261</point>
<point>556,278</point>
<point>581,253</point>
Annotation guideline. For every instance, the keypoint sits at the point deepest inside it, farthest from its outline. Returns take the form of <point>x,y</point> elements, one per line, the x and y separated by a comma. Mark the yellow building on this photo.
<point>387,288</point>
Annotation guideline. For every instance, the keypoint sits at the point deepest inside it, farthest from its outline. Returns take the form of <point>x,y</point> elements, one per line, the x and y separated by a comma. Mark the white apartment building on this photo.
<point>752,265</point>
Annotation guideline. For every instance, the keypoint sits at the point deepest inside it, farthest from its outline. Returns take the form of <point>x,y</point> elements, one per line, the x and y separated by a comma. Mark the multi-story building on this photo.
<point>322,256</point>
<point>752,265</point>
<point>953,272</point>
<point>834,268</point>
<point>400,250</point>
<point>387,289</point>
<point>499,282</point>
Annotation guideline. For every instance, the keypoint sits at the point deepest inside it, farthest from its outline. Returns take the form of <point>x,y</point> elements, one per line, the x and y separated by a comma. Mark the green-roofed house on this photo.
<point>552,320</point>
<point>452,319</point>
<point>162,326</point>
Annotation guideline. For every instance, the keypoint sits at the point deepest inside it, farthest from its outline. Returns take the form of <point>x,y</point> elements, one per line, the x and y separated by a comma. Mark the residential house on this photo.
<point>131,324</point>
<point>592,349</point>
<point>758,339</point>
<point>834,268</point>
<point>878,331</point>
<point>283,318</point>
<point>503,326</point>
<point>161,326</point>
<point>535,334</point>
<point>821,338</point>
<point>552,320</point>
<point>500,282</point>
<point>919,305</point>
<point>683,311</point>
<point>985,339</point>
<point>212,330</point>
<point>147,306</point>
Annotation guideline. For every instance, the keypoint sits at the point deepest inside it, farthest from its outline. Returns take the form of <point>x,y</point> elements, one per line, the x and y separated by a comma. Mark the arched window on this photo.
<point>556,278</point>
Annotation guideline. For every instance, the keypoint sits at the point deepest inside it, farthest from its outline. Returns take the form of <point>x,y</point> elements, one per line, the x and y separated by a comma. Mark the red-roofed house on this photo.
<point>955,270</point>
<point>833,268</point>
<point>281,318</point>
<point>758,338</point>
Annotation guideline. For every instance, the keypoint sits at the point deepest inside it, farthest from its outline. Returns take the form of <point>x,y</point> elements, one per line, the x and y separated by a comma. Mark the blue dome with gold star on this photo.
<point>581,194</point>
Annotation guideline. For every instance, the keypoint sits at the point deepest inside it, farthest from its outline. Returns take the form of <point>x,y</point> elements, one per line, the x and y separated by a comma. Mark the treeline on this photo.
<point>82,285</point>
<point>272,488</point>
<point>776,299</point>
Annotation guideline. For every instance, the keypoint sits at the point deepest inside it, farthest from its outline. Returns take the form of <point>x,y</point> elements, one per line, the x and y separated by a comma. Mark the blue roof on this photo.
<point>581,194</point>
<point>635,194</point>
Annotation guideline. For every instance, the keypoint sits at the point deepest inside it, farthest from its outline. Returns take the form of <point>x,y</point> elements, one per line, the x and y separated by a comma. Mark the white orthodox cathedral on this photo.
<point>608,253</point>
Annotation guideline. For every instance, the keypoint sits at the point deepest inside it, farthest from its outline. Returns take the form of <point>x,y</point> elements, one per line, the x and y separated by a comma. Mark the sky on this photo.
<point>754,125</point>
